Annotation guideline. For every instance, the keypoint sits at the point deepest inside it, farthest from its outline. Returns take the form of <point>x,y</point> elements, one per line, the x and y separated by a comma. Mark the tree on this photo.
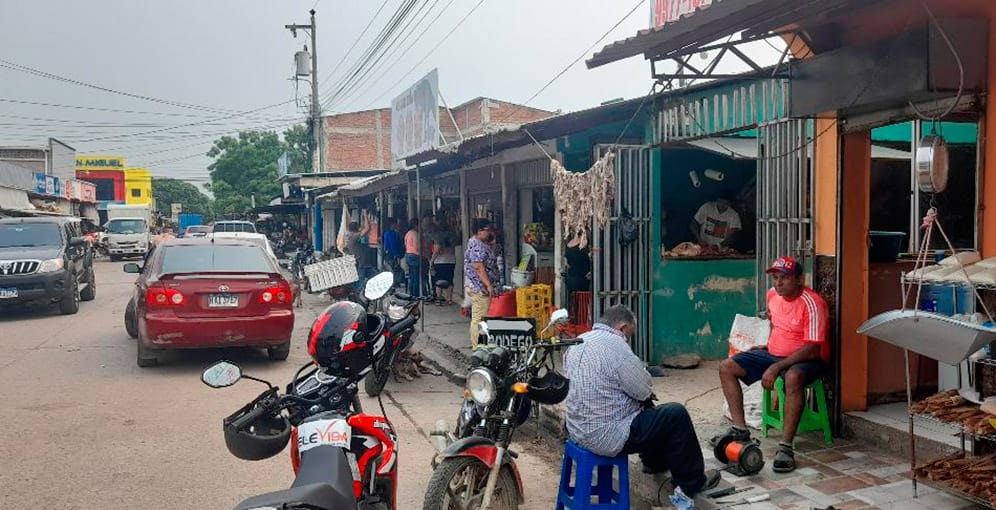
<point>246,165</point>
<point>168,191</point>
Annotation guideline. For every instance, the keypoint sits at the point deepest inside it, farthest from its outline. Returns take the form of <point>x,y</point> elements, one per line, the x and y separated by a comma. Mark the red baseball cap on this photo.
<point>785,265</point>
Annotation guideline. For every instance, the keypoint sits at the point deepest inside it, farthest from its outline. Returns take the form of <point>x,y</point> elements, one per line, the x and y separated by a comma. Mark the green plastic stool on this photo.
<point>811,420</point>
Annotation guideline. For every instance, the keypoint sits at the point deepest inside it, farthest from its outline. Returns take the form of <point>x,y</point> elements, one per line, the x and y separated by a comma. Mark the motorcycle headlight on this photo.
<point>47,266</point>
<point>481,385</point>
<point>395,312</point>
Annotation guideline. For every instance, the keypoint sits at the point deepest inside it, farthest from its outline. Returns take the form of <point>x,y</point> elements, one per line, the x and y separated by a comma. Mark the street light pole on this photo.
<point>318,156</point>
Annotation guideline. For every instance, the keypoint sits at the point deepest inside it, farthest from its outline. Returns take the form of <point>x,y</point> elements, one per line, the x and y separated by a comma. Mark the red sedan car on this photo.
<point>196,293</point>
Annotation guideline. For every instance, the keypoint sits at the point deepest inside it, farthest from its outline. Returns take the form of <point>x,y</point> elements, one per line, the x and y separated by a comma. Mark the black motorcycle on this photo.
<point>477,470</point>
<point>399,309</point>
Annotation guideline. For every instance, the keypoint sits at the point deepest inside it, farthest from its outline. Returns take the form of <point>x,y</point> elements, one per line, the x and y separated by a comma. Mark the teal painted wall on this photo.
<point>953,132</point>
<point>694,302</point>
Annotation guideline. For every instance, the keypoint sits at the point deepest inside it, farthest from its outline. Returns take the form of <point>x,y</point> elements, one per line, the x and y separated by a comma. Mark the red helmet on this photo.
<point>340,341</point>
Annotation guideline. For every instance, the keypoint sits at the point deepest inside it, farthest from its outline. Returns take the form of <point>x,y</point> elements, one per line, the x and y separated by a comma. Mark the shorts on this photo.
<point>755,363</point>
<point>444,272</point>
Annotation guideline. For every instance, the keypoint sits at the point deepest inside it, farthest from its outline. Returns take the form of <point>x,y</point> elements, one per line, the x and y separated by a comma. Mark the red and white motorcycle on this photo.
<point>343,459</point>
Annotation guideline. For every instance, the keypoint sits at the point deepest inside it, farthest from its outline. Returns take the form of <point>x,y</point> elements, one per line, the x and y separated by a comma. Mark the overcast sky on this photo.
<point>228,56</point>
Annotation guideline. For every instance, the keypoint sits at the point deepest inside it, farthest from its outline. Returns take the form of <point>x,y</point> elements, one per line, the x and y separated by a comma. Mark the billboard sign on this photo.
<point>668,11</point>
<point>47,185</point>
<point>88,192</point>
<point>100,163</point>
<point>415,118</point>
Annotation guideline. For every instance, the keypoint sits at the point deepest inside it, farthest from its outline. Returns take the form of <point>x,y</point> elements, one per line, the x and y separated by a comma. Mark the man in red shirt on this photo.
<point>797,350</point>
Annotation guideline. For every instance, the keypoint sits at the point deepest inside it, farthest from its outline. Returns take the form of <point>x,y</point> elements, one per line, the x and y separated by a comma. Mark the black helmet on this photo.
<point>339,340</point>
<point>264,438</point>
<point>550,388</point>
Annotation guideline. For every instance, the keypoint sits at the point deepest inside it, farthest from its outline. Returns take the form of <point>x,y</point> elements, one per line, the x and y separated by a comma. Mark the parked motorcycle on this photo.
<point>477,470</point>
<point>400,308</point>
<point>343,459</point>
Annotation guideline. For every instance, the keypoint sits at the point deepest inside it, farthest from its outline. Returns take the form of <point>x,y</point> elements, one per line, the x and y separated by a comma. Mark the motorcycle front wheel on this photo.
<point>375,381</point>
<point>458,484</point>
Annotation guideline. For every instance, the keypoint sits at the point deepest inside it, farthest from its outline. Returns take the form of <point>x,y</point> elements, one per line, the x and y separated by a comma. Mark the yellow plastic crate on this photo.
<point>535,301</point>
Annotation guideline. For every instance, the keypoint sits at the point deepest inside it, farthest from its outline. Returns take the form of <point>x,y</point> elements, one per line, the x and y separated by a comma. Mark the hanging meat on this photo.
<point>584,198</point>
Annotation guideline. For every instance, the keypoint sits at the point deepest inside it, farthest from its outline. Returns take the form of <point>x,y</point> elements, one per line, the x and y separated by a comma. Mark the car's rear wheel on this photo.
<point>146,356</point>
<point>131,326</point>
<point>279,353</point>
<point>90,292</point>
<point>70,303</point>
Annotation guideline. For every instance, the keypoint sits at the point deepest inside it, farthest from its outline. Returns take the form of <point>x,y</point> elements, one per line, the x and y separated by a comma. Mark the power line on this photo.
<point>588,50</point>
<point>433,49</point>
<point>357,41</point>
<point>404,35</point>
<point>374,50</point>
<point>407,48</point>
<point>37,72</point>
<point>99,109</point>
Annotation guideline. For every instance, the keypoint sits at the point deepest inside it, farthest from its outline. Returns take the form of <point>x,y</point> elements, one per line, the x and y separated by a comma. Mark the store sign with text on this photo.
<point>47,185</point>
<point>100,163</point>
<point>415,118</point>
<point>668,11</point>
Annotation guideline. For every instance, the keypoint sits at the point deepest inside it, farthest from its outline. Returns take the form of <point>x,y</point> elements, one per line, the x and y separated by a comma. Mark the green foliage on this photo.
<point>246,165</point>
<point>168,191</point>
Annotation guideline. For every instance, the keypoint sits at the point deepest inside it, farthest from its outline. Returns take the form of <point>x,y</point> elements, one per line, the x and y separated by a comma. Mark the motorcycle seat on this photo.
<point>315,495</point>
<point>403,296</point>
<point>322,470</point>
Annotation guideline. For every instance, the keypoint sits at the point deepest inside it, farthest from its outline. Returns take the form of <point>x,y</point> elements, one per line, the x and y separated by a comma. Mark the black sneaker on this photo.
<point>712,480</point>
<point>735,433</point>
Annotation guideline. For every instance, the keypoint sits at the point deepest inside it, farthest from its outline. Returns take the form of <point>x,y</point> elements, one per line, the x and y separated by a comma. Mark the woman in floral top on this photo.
<point>480,266</point>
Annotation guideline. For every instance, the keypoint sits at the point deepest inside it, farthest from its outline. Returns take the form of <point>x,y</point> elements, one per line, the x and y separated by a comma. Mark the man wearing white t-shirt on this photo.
<point>716,224</point>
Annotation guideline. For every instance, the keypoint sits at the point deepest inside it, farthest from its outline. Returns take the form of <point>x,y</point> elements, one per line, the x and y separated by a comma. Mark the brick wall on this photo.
<point>362,140</point>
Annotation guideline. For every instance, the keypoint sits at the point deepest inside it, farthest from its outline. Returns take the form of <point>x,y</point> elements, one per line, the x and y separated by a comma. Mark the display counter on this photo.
<point>694,301</point>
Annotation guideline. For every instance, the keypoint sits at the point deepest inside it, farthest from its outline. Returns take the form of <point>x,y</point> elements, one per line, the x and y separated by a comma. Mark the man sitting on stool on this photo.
<point>610,410</point>
<point>797,350</point>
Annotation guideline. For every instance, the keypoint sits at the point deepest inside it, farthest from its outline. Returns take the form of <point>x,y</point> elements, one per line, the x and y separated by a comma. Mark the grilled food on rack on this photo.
<point>971,475</point>
<point>949,407</point>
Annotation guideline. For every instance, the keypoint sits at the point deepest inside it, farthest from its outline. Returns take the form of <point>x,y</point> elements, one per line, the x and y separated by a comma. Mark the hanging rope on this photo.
<point>929,222</point>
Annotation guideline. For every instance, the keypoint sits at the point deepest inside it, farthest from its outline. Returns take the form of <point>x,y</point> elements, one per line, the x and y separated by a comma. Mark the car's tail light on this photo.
<point>274,295</point>
<point>158,296</point>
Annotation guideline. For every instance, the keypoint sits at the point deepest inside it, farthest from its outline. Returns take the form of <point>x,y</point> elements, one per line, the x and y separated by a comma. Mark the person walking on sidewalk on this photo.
<point>413,259</point>
<point>480,268</point>
<point>610,410</point>
<point>797,350</point>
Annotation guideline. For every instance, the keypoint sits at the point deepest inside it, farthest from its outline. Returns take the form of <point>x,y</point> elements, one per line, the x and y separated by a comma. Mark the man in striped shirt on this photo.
<point>610,410</point>
<point>797,350</point>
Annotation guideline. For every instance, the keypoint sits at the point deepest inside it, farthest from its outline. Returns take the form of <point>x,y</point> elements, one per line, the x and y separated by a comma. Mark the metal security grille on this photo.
<point>784,196</point>
<point>621,274</point>
<point>18,267</point>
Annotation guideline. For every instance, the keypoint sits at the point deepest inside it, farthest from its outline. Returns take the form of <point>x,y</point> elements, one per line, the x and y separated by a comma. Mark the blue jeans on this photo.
<point>414,274</point>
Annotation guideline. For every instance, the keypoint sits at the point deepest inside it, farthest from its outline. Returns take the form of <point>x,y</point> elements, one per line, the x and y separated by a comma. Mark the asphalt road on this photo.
<point>85,428</point>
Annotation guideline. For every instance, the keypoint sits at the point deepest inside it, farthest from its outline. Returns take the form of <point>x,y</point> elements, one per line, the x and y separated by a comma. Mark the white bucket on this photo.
<point>521,278</point>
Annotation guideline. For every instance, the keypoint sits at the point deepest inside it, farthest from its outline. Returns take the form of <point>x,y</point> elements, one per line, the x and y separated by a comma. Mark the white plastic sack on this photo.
<point>340,242</point>
<point>752,405</point>
<point>749,332</point>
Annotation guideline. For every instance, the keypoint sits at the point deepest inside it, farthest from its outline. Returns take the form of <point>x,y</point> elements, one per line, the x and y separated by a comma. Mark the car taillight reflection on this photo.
<point>155,296</point>
<point>278,294</point>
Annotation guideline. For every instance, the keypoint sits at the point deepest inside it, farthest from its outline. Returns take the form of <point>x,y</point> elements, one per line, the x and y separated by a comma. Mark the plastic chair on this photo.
<point>811,420</point>
<point>583,463</point>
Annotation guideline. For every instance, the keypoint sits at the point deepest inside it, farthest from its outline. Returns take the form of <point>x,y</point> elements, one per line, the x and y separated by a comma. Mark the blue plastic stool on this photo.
<point>584,463</point>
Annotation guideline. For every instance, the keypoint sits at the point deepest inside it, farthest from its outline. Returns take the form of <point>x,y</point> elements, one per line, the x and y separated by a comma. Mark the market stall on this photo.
<point>707,270</point>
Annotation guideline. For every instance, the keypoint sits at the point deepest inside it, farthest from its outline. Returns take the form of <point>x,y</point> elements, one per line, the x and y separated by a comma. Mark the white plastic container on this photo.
<point>521,278</point>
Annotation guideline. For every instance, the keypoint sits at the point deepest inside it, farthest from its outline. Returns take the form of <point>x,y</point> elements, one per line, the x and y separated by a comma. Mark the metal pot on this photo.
<point>932,164</point>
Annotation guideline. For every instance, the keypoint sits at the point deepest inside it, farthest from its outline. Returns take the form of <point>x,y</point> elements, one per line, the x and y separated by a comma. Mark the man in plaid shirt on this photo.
<point>610,410</point>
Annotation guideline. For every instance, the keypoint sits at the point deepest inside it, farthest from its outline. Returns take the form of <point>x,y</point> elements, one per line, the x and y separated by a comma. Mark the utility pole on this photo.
<point>318,155</point>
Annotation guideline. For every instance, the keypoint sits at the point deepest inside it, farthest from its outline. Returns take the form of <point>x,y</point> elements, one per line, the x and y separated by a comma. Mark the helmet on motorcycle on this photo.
<point>339,340</point>
<point>266,437</point>
<point>550,388</point>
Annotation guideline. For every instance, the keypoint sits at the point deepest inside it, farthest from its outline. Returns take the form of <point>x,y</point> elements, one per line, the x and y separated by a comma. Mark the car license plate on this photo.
<point>8,292</point>
<point>223,301</point>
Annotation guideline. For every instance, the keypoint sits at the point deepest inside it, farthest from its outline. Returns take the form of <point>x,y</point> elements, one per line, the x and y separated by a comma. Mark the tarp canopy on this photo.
<point>15,200</point>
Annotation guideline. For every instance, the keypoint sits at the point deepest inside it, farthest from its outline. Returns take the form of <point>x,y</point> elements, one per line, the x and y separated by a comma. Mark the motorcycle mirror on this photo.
<point>378,286</point>
<point>221,375</point>
<point>559,316</point>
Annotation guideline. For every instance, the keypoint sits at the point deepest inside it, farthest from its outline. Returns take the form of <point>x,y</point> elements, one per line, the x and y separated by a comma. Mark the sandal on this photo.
<point>784,461</point>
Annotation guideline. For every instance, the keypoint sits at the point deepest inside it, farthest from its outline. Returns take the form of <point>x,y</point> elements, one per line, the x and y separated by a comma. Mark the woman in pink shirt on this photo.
<point>413,260</point>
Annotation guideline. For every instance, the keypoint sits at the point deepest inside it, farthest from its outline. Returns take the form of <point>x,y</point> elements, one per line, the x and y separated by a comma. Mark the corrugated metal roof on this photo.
<point>704,25</point>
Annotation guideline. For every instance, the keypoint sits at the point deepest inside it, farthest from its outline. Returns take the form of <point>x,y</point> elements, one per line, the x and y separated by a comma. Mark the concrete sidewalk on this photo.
<point>848,475</point>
